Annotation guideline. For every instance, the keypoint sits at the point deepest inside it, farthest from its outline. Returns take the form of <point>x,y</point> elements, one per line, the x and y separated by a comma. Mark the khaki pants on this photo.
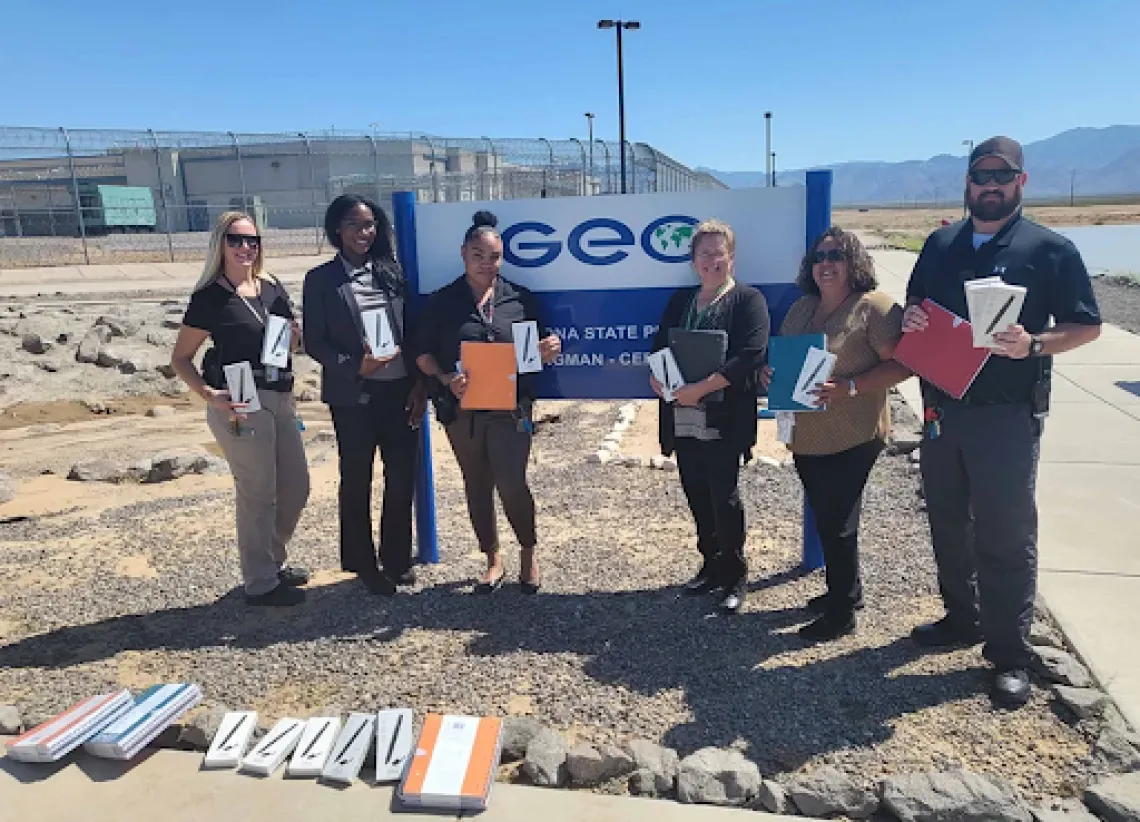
<point>271,478</point>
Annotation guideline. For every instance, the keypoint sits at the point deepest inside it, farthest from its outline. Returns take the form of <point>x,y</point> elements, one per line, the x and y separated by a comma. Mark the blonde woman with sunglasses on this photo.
<point>232,304</point>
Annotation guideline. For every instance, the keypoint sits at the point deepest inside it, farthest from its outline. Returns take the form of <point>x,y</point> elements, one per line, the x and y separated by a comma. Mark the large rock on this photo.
<point>1084,702</point>
<point>830,792</point>
<point>545,762</point>
<point>96,471</point>
<point>35,344</point>
<point>656,768</point>
<point>774,799</point>
<point>590,765</point>
<point>904,442</point>
<point>199,732</point>
<point>518,731</point>
<point>713,776</point>
<point>166,467</point>
<point>956,796</point>
<point>10,721</point>
<point>1042,633</point>
<point>1118,749</point>
<point>108,358</point>
<point>92,344</point>
<point>7,489</point>
<point>1116,799</point>
<point>160,411</point>
<point>1061,667</point>
<point>1063,810</point>
<point>119,326</point>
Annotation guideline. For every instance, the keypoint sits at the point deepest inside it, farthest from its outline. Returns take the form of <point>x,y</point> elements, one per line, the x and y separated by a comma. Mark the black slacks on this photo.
<point>710,475</point>
<point>381,423</point>
<point>833,484</point>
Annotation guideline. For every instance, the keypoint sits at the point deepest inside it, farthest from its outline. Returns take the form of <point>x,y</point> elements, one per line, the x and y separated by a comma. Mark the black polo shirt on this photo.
<point>451,317</point>
<point>1023,253</point>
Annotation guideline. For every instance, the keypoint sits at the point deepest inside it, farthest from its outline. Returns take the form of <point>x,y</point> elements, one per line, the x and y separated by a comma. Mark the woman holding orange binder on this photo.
<point>711,435</point>
<point>835,448</point>
<point>488,419</point>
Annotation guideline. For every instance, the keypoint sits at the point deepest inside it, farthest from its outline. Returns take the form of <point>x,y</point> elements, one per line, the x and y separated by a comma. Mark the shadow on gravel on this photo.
<point>745,678</point>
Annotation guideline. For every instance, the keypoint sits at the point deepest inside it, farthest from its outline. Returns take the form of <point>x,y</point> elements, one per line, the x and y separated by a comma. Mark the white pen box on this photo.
<point>58,736</point>
<point>154,710</point>
<point>663,366</point>
<point>276,342</point>
<point>275,748</point>
<point>314,747</point>
<point>817,368</point>
<point>231,740</point>
<point>393,743</point>
<point>350,749</point>
<point>242,388</point>
<point>527,357</point>
<point>378,332</point>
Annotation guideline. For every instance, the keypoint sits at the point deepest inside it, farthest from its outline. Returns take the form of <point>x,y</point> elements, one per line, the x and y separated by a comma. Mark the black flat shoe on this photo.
<point>818,605</point>
<point>406,579</point>
<point>282,597</point>
<point>529,588</point>
<point>1011,688</point>
<point>379,584</point>
<point>946,634</point>
<point>704,582</point>
<point>293,576</point>
<point>827,628</point>
<point>492,586</point>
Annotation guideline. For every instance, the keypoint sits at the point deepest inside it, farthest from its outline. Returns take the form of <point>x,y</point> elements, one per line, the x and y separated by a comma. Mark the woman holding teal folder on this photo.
<point>711,435</point>
<point>835,447</point>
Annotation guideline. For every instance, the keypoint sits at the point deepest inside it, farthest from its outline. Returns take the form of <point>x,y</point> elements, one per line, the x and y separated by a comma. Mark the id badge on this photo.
<point>272,373</point>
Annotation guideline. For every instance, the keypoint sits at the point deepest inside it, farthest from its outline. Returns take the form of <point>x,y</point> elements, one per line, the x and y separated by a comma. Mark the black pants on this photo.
<point>833,484</point>
<point>710,474</point>
<point>980,476</point>
<point>360,429</point>
<point>492,453</point>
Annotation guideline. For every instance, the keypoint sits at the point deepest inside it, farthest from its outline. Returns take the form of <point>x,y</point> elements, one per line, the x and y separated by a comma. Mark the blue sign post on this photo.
<point>603,269</point>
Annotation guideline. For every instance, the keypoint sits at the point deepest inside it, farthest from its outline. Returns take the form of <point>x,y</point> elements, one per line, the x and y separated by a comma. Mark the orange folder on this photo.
<point>492,373</point>
<point>454,762</point>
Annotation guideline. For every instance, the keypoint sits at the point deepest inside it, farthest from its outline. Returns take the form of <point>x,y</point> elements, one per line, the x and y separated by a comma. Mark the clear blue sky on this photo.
<point>846,80</point>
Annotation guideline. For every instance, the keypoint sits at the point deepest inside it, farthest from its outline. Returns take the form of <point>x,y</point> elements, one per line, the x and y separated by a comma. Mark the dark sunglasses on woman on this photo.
<point>238,240</point>
<point>1001,176</point>
<point>832,255</point>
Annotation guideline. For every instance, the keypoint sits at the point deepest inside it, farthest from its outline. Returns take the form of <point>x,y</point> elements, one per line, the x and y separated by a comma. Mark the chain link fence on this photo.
<point>77,196</point>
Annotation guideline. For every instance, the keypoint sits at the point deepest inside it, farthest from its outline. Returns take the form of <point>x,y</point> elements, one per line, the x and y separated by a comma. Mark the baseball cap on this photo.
<point>1003,148</point>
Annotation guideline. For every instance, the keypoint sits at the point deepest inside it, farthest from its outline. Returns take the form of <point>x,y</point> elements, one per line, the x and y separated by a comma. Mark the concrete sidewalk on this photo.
<point>132,277</point>
<point>1088,495</point>
<point>167,786</point>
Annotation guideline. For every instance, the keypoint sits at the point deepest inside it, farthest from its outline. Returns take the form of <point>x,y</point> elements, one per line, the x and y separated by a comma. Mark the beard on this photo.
<point>993,207</point>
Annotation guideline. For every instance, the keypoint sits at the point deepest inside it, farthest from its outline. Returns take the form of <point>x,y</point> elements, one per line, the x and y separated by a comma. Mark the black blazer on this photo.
<point>744,315</point>
<point>334,333</point>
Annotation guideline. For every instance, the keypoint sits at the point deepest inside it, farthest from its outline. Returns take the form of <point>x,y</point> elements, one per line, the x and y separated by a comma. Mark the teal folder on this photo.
<point>786,356</point>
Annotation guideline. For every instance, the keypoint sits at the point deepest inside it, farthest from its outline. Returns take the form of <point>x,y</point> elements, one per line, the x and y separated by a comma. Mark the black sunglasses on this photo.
<point>833,255</point>
<point>1001,176</point>
<point>238,240</point>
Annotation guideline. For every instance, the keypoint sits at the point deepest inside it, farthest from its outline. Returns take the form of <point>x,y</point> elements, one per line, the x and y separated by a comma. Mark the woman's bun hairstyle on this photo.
<point>484,218</point>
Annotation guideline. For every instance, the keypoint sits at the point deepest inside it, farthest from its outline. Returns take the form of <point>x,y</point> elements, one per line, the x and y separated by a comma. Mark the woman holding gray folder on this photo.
<point>711,422</point>
<point>835,448</point>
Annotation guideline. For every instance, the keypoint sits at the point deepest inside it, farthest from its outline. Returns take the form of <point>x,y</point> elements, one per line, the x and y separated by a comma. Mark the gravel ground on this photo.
<point>607,651</point>
<point>1119,303</point>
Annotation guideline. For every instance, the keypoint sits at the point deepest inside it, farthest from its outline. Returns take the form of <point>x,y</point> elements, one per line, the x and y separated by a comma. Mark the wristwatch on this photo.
<point>1036,346</point>
<point>852,389</point>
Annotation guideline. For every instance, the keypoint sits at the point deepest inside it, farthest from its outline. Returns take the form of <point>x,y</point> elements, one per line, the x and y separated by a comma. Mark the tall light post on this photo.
<point>618,25</point>
<point>768,148</point>
<point>965,194</point>
<point>590,127</point>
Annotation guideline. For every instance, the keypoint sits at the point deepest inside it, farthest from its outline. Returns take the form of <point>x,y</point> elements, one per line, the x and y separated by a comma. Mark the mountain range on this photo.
<point>1094,161</point>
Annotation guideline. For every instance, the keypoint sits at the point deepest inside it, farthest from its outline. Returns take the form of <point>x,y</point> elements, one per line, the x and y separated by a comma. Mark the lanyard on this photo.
<point>695,318</point>
<point>253,310</point>
<point>488,318</point>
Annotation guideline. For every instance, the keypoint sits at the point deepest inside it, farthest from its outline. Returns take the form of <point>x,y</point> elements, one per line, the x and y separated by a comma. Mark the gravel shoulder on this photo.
<point>1119,303</point>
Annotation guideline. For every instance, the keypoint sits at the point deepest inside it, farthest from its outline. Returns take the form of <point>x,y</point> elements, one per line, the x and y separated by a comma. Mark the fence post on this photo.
<point>581,148</point>
<point>818,221</point>
<point>162,194</point>
<point>550,149</point>
<point>75,194</point>
<point>241,172</point>
<point>313,189</point>
<point>427,543</point>
<point>496,176</point>
<point>376,170</point>
<point>609,170</point>
<point>431,166</point>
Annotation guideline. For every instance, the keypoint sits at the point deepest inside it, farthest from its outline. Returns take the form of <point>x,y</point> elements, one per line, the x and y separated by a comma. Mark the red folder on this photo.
<point>943,354</point>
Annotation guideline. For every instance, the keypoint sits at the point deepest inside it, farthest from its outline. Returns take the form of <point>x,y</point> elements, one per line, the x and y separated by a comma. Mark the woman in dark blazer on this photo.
<point>710,437</point>
<point>375,402</point>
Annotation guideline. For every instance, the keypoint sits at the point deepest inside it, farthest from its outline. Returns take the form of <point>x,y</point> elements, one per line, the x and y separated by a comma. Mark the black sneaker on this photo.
<point>732,598</point>
<point>704,582</point>
<point>818,605</point>
<point>1011,688</point>
<point>946,633</point>
<point>406,579</point>
<point>281,596</point>
<point>827,628</point>
<point>379,584</point>
<point>293,576</point>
